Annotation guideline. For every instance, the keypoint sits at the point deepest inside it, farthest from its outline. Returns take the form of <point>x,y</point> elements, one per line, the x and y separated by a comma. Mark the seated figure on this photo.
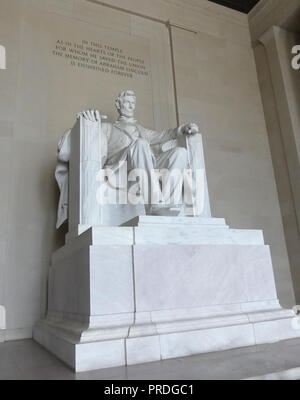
<point>141,148</point>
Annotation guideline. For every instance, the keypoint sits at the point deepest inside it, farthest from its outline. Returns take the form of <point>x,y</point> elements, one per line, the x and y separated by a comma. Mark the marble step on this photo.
<point>169,234</point>
<point>182,221</point>
<point>196,235</point>
<point>159,234</point>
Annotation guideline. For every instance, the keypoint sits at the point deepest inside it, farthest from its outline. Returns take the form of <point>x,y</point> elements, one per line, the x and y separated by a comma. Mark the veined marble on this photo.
<point>164,230</point>
<point>123,296</point>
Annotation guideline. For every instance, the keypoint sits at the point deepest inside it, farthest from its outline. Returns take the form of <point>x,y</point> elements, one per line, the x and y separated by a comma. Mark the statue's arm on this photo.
<point>106,128</point>
<point>158,138</point>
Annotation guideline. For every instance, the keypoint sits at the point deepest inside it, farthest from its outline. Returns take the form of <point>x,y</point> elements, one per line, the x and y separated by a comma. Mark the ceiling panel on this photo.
<point>240,5</point>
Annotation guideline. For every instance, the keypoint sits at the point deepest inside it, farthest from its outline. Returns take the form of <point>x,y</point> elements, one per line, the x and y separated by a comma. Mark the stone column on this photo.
<point>286,84</point>
<point>278,86</point>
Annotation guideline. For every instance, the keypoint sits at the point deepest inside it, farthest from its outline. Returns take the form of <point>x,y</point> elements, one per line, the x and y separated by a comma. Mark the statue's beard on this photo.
<point>127,119</point>
<point>129,114</point>
<point>125,116</point>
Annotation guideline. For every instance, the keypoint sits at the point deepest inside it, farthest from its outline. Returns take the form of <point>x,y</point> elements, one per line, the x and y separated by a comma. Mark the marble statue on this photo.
<point>144,288</point>
<point>128,141</point>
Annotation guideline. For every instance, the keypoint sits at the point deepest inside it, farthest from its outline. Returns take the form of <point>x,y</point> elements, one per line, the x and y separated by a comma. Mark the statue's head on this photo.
<point>125,103</point>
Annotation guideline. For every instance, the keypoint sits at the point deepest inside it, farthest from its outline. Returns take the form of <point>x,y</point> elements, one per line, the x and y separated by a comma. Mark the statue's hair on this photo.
<point>126,93</point>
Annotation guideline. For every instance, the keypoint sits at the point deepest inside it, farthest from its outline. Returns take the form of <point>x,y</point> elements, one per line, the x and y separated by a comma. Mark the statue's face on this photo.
<point>127,106</point>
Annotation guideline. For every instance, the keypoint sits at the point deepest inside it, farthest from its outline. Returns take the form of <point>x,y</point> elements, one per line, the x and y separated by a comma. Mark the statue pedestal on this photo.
<point>161,288</point>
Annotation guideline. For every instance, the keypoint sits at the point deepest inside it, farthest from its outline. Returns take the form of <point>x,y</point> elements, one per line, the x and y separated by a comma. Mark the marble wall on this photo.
<point>39,95</point>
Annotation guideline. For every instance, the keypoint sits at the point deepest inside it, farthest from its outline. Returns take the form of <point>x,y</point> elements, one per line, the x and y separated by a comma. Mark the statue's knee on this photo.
<point>181,153</point>
<point>142,144</point>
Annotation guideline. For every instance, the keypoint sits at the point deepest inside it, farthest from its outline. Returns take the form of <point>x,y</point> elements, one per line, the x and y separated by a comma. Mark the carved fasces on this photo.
<point>85,163</point>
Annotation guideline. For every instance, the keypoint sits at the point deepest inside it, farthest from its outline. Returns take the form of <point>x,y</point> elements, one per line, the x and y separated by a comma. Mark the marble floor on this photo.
<point>26,360</point>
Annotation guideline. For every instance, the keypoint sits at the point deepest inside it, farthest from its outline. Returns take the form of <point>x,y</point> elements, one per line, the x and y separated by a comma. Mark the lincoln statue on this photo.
<point>128,141</point>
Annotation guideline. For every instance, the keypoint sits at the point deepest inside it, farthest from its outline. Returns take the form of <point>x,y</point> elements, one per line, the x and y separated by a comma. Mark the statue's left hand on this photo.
<point>190,129</point>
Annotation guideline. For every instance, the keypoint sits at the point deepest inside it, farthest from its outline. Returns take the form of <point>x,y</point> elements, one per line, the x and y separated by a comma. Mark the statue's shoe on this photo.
<point>164,211</point>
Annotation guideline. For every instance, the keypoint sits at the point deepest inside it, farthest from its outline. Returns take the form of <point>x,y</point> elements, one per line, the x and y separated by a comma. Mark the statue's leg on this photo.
<point>140,158</point>
<point>172,164</point>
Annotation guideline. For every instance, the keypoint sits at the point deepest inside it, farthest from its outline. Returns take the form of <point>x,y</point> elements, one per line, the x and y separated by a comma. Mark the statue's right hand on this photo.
<point>90,115</point>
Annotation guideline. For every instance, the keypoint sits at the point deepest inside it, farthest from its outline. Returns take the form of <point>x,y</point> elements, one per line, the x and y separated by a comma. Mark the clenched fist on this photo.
<point>190,129</point>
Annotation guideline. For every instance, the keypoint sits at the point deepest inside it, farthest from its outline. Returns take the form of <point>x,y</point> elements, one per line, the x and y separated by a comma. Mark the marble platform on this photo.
<point>161,288</point>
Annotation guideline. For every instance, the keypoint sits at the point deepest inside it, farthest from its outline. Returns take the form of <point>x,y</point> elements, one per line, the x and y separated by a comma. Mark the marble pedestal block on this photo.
<point>161,288</point>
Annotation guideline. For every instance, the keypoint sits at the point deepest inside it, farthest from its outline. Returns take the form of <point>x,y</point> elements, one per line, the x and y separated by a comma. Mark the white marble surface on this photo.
<point>127,303</point>
<point>63,349</point>
<point>277,330</point>
<point>143,349</point>
<point>146,220</point>
<point>262,362</point>
<point>92,261</point>
<point>163,230</point>
<point>220,310</point>
<point>172,277</point>
<point>104,235</point>
<point>185,230</point>
<point>164,343</point>
<point>83,357</point>
<point>204,341</point>
<point>92,356</point>
<point>160,300</point>
<point>31,124</point>
<point>111,280</point>
<point>92,281</point>
<point>148,235</point>
<point>160,231</point>
<point>69,284</point>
